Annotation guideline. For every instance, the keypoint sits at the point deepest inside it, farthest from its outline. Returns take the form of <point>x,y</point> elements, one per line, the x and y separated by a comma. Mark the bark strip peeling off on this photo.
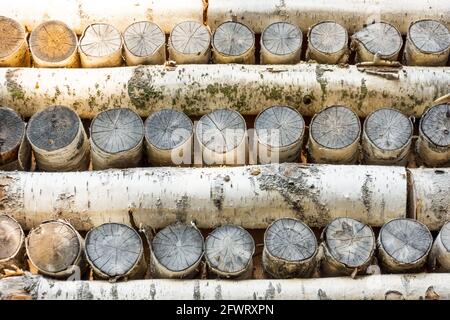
<point>428,286</point>
<point>314,194</point>
<point>199,89</point>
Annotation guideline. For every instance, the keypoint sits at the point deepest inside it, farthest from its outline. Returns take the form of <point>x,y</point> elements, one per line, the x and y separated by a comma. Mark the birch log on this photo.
<point>279,131</point>
<point>290,249</point>
<point>376,287</point>
<point>13,44</point>
<point>78,14</point>
<point>117,139</point>
<point>54,45</point>
<point>380,39</point>
<point>12,134</point>
<point>177,251</point>
<point>353,16</point>
<point>168,138</point>
<point>427,44</point>
<point>229,252</point>
<point>403,245</point>
<point>100,46</point>
<point>439,258</point>
<point>55,248</point>
<point>12,244</point>
<point>349,245</point>
<point>327,43</point>
<point>314,194</point>
<point>115,251</point>
<point>144,43</point>
<point>58,139</point>
<point>281,43</point>
<point>429,196</point>
<point>386,138</point>
<point>199,89</point>
<point>433,145</point>
<point>233,42</point>
<point>222,135</point>
<point>189,43</point>
<point>334,136</point>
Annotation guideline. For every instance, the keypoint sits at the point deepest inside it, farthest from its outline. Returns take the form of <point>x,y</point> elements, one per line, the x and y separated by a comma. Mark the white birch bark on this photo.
<point>353,15</point>
<point>375,287</point>
<point>156,197</point>
<point>198,89</point>
<point>78,14</point>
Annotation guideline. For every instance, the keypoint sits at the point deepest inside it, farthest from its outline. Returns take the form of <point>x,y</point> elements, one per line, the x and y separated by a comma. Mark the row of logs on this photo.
<point>116,251</point>
<point>54,44</point>
<point>118,138</point>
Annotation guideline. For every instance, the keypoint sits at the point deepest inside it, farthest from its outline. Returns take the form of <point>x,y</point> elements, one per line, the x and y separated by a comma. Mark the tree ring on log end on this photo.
<point>190,38</point>
<point>12,36</point>
<point>429,36</point>
<point>11,237</point>
<point>435,125</point>
<point>12,131</point>
<point>380,38</point>
<point>233,39</point>
<point>143,38</point>
<point>328,37</point>
<point>282,38</point>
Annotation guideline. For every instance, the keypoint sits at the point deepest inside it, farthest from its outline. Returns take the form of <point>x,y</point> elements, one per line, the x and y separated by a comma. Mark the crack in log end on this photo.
<point>292,183</point>
<point>141,91</point>
<point>183,205</point>
<point>366,192</point>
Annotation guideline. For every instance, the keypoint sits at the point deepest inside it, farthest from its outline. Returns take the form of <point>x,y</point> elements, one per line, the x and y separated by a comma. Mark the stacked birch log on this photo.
<point>327,86</point>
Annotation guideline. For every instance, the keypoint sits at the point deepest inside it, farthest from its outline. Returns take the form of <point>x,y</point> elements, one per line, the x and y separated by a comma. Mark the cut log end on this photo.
<point>143,38</point>
<point>350,243</point>
<point>404,244</point>
<point>117,130</point>
<point>11,239</point>
<point>114,250</point>
<point>168,129</point>
<point>327,43</point>
<point>221,130</point>
<point>178,249</point>
<point>54,247</point>
<point>188,42</point>
<point>429,36</point>
<point>435,125</point>
<point>281,42</point>
<point>53,128</point>
<point>12,131</point>
<point>53,43</point>
<point>12,37</point>
<point>229,251</point>
<point>378,38</point>
<point>233,41</point>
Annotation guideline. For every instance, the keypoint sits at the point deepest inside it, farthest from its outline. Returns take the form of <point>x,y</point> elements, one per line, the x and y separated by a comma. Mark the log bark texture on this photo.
<point>281,43</point>
<point>290,249</point>
<point>59,140</point>
<point>429,196</point>
<point>54,45</point>
<point>353,16</point>
<point>233,42</point>
<point>427,44</point>
<point>157,197</point>
<point>176,252</point>
<point>327,43</point>
<point>101,46</point>
<point>386,138</point>
<point>348,245</point>
<point>404,245</point>
<point>168,138</point>
<point>334,136</point>
<point>433,145</point>
<point>189,43</point>
<point>279,131</point>
<point>117,137</point>
<point>144,43</point>
<point>14,46</point>
<point>229,252</point>
<point>78,14</point>
<point>115,251</point>
<point>376,287</point>
<point>56,249</point>
<point>439,257</point>
<point>12,244</point>
<point>197,89</point>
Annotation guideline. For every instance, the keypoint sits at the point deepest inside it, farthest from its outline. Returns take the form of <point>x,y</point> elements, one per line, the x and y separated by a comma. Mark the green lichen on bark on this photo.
<point>141,91</point>
<point>14,89</point>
